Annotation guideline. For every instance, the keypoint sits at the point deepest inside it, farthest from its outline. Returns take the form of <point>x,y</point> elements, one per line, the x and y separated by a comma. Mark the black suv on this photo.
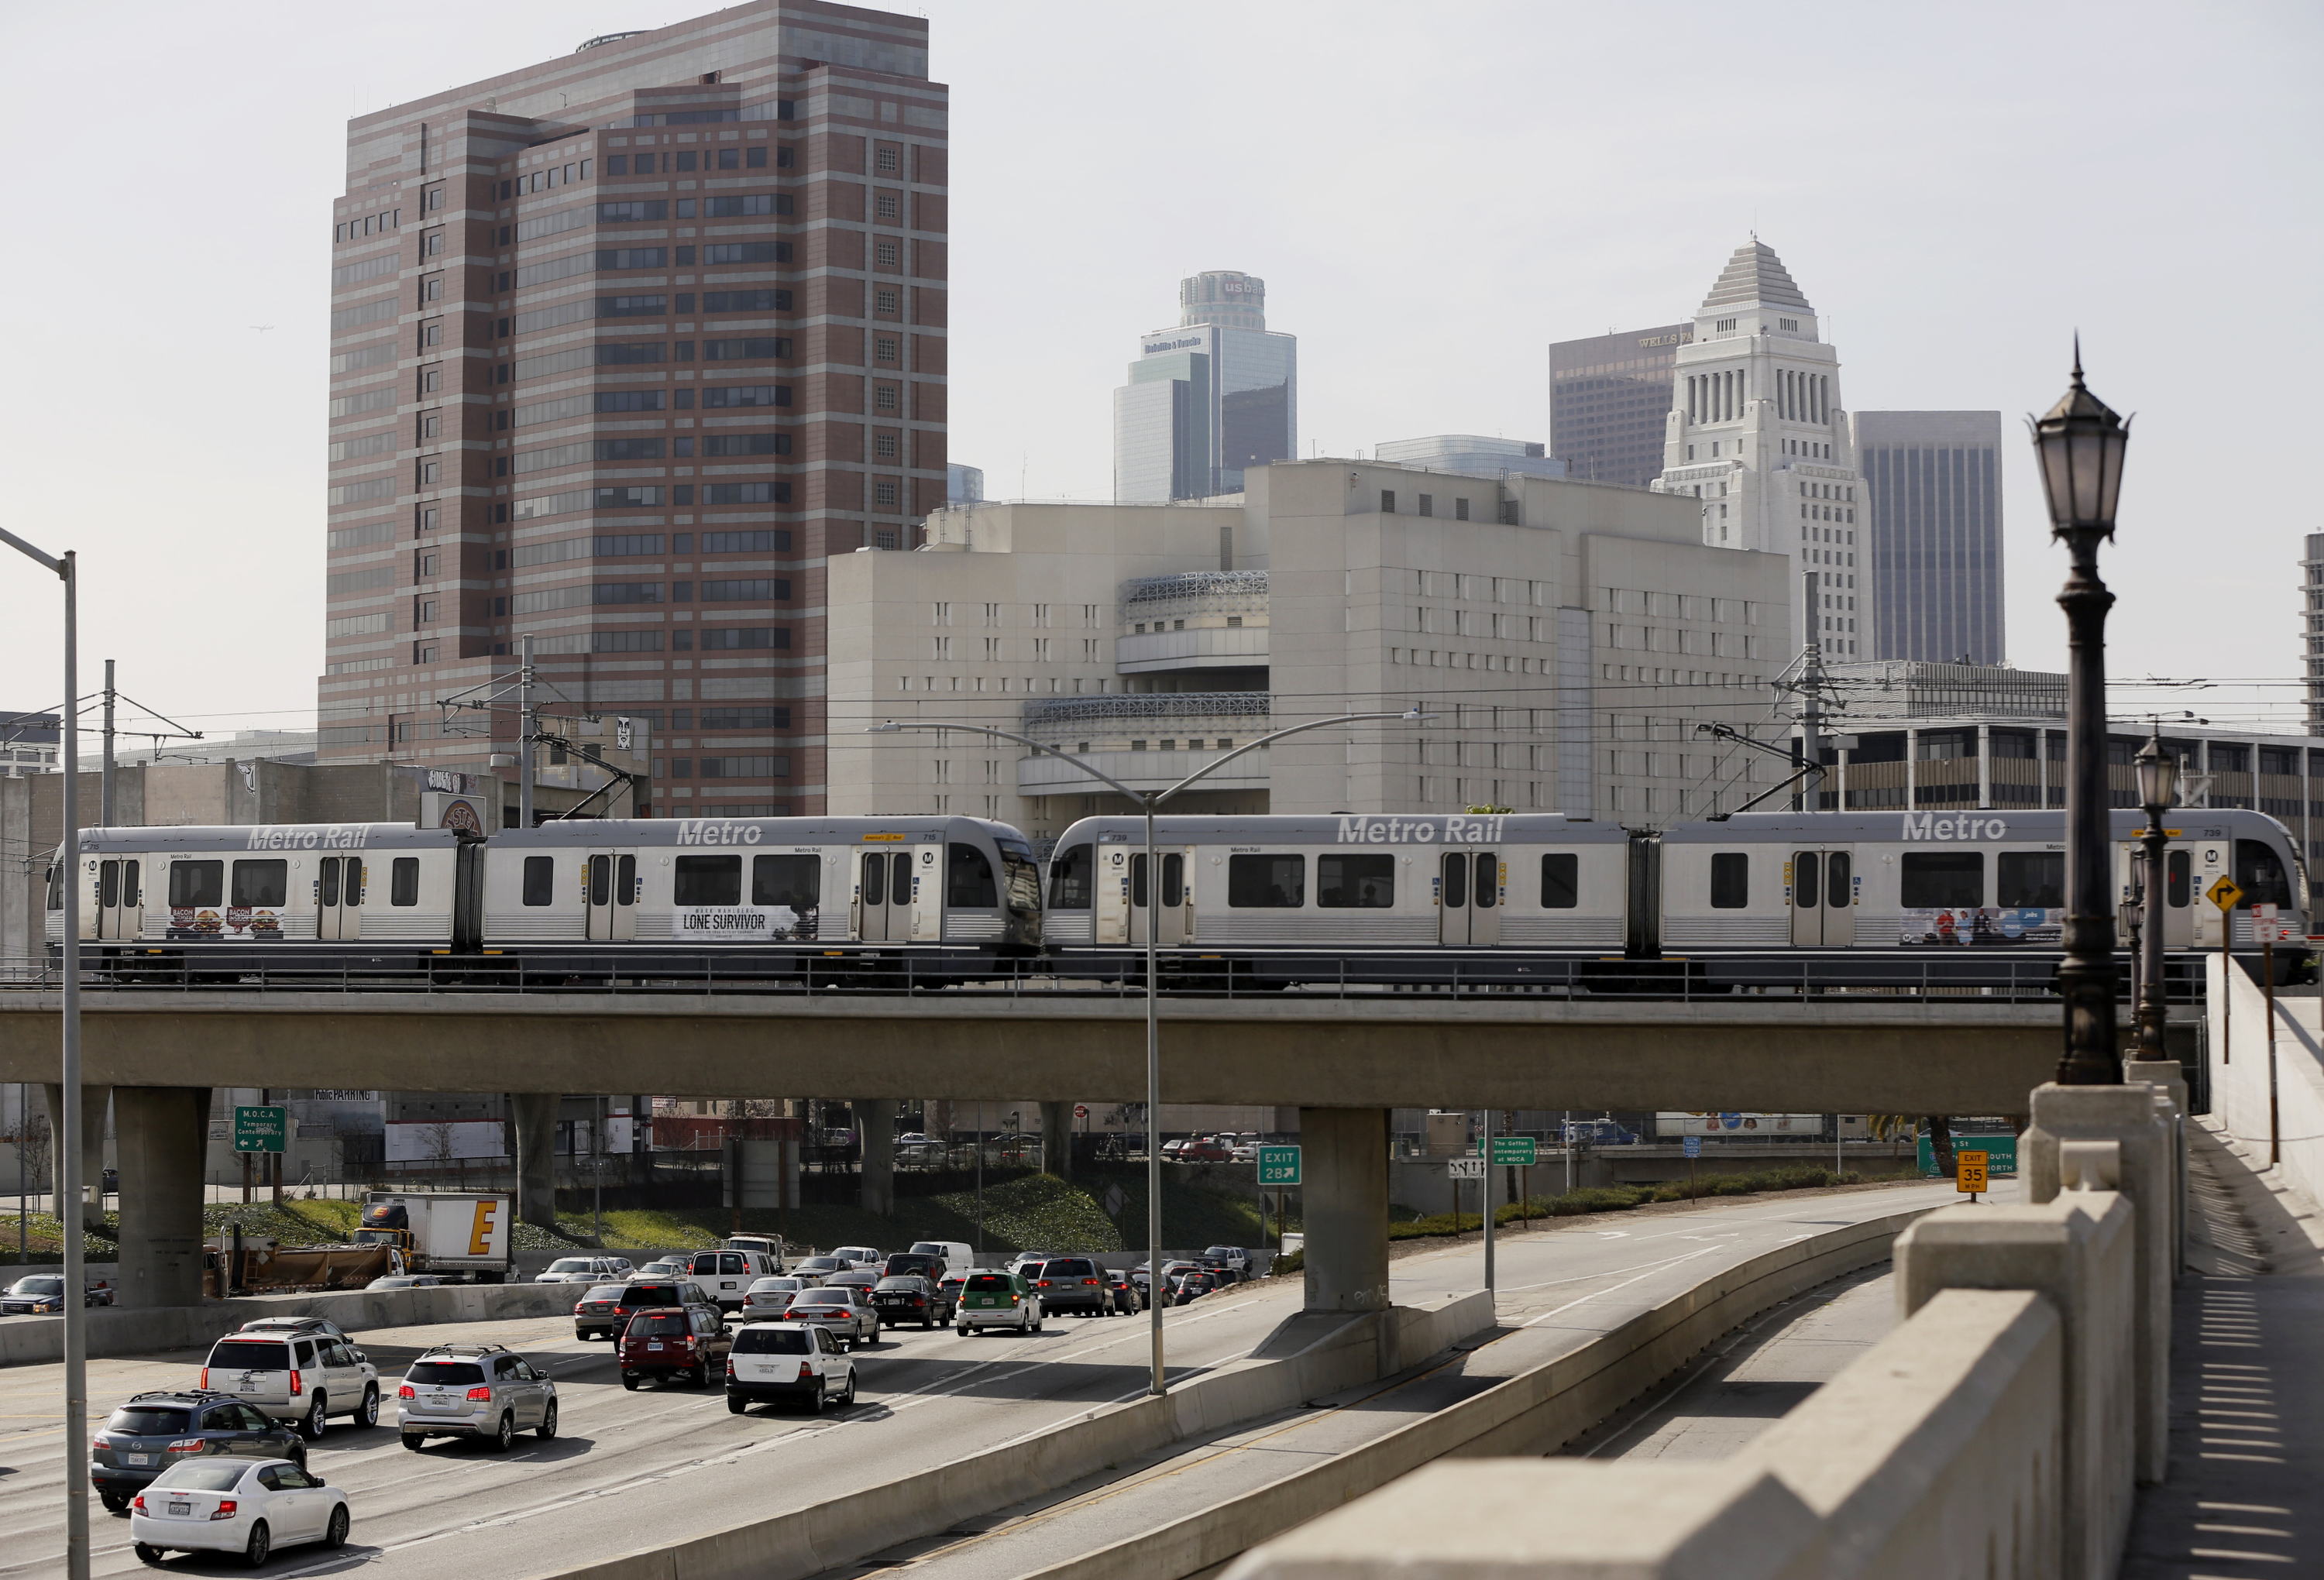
<point>1071,1283</point>
<point>154,1431</point>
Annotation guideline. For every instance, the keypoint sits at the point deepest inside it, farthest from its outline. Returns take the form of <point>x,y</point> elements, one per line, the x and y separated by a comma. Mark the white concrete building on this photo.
<point>1757,433</point>
<point>1566,638</point>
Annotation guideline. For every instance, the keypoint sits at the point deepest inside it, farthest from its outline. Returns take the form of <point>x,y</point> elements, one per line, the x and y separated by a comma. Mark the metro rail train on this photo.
<point>1492,890</point>
<point>601,897</point>
<point>1405,897</point>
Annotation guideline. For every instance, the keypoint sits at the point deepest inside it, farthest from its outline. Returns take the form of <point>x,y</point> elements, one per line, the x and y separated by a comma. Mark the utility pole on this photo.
<point>1811,690</point>
<point>108,806</point>
<point>526,727</point>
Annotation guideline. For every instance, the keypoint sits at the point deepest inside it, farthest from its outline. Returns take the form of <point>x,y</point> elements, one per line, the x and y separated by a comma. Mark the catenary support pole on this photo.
<point>75,1312</point>
<point>527,726</point>
<point>108,814</point>
<point>1157,1382</point>
<point>1485,1193</point>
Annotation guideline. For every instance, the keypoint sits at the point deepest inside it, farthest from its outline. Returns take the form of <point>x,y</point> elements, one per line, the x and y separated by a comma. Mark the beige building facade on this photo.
<point>1565,639</point>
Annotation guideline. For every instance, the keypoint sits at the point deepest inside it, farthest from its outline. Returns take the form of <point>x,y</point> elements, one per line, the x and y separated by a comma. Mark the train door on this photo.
<point>338,897</point>
<point>1469,897</point>
<point>2207,862</point>
<point>884,896</point>
<point>1823,898</point>
<point>612,896</point>
<point>1175,895</point>
<point>1110,891</point>
<point>118,902</point>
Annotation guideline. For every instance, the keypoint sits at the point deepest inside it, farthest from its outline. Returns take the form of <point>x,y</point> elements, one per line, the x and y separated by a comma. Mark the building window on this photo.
<point>1387,501</point>
<point>887,304</point>
<point>885,348</point>
<point>1459,510</point>
<point>888,206</point>
<point>886,161</point>
<point>888,255</point>
<point>883,492</point>
<point>1428,504</point>
<point>887,397</point>
<point>884,446</point>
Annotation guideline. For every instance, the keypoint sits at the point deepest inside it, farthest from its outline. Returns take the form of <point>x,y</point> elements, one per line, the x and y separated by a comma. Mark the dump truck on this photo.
<point>458,1235</point>
<point>266,1266</point>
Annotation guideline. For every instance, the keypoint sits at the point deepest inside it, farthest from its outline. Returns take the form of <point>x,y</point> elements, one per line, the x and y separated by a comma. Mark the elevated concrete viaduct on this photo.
<point>1363,1054</point>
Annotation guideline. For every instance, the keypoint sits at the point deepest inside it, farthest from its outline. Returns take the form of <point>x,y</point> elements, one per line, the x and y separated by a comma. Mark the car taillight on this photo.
<point>96,1443</point>
<point>481,1394</point>
<point>1090,1282</point>
<point>805,1371</point>
<point>206,1378</point>
<point>407,1392</point>
<point>1041,1284</point>
<point>224,1510</point>
<point>185,1446</point>
<point>297,1387</point>
<point>138,1502</point>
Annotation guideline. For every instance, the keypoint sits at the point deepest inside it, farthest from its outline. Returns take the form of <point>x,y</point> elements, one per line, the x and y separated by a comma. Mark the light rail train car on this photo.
<point>1406,893</point>
<point>370,897</point>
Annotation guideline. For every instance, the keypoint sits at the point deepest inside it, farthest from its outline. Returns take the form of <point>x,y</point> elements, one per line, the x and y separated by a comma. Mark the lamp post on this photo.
<point>68,1143</point>
<point>2081,443</point>
<point>1149,800</point>
<point>2158,787</point>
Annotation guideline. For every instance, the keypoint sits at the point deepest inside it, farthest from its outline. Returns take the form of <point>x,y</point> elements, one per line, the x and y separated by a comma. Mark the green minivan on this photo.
<point>997,1300</point>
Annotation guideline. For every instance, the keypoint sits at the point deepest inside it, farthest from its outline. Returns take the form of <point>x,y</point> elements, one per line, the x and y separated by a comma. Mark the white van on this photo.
<point>958,1258</point>
<point>766,1244</point>
<point>726,1276</point>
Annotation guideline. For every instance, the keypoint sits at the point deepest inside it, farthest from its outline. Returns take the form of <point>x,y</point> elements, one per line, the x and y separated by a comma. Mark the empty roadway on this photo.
<point>632,1470</point>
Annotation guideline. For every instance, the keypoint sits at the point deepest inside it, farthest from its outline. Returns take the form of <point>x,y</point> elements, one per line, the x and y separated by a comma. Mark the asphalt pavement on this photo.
<point>633,1469</point>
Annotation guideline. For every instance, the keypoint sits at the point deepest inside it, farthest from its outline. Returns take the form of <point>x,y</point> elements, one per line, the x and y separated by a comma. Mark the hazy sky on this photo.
<point>1432,193</point>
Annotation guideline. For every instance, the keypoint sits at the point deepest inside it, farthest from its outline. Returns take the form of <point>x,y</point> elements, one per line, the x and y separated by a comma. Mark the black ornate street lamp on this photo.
<point>2082,443</point>
<point>2158,787</point>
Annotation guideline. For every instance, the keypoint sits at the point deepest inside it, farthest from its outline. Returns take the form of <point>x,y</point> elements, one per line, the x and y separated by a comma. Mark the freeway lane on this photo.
<point>1558,1292</point>
<point>631,1470</point>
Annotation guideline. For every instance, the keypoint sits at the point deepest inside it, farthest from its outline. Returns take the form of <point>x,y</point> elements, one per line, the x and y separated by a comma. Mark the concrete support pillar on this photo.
<point>2129,1116</point>
<point>536,1156</point>
<point>1344,1190</point>
<point>163,1133</point>
<point>875,1122</point>
<point>93,1101</point>
<point>2168,1077</point>
<point>1057,1140</point>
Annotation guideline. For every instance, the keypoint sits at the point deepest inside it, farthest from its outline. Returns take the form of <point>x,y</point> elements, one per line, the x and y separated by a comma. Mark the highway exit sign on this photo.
<point>259,1129</point>
<point>1278,1165</point>
<point>1513,1152</point>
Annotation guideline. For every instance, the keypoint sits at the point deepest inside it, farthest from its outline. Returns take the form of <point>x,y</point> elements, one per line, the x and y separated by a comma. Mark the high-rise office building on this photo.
<point>1609,396</point>
<point>1478,454</point>
<point>1207,400</point>
<point>624,346</point>
<point>1932,492</point>
<point>963,485</point>
<point>1757,433</point>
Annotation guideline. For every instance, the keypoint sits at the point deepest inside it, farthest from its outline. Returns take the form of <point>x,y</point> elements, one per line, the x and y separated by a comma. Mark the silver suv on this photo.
<point>295,1376</point>
<point>475,1390</point>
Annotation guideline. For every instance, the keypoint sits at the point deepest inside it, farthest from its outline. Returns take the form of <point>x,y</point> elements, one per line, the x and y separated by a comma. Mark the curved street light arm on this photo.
<point>893,726</point>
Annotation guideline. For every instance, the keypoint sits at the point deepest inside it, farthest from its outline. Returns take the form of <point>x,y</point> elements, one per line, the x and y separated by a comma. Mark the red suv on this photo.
<point>664,1342</point>
<point>1205,1152</point>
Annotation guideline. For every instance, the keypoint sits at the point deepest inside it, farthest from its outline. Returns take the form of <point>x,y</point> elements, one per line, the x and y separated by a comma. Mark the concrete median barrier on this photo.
<point>1326,1354</point>
<point>118,1331</point>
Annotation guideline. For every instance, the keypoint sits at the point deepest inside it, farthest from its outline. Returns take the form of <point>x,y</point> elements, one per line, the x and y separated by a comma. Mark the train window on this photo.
<point>1942,878</point>
<point>1455,894</point>
<point>1807,880</point>
<point>1561,881</point>
<point>1730,880</point>
<point>403,881</point>
<point>1358,883</point>
<point>707,880</point>
<point>899,880</point>
<point>2033,878</point>
<point>197,883</point>
<point>1488,882</point>
<point>1069,879</point>
<point>968,879</point>
<point>2259,870</point>
<point>56,889</point>
<point>261,883</point>
<point>540,880</point>
<point>1267,882</point>
<point>2178,877</point>
<point>795,881</point>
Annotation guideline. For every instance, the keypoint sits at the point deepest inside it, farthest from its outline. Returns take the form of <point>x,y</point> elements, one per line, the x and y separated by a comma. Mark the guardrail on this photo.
<point>1887,976</point>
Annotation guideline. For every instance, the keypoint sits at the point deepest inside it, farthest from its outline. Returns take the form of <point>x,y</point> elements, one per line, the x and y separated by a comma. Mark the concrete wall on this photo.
<point>1948,1057</point>
<point>1996,1431</point>
<point>2238,1055</point>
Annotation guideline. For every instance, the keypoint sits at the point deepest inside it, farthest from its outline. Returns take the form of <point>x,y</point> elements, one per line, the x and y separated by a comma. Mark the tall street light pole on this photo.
<point>2081,444</point>
<point>1149,800</point>
<point>2158,785</point>
<point>69,1217</point>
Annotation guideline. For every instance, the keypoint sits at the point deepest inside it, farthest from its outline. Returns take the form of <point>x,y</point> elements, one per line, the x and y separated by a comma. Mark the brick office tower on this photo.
<point>624,346</point>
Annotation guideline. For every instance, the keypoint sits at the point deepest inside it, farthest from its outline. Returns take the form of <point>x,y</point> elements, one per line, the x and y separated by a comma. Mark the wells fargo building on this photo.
<point>624,347</point>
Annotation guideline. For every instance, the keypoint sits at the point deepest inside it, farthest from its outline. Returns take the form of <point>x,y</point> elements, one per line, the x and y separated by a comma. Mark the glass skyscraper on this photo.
<point>1207,400</point>
<point>1932,480</point>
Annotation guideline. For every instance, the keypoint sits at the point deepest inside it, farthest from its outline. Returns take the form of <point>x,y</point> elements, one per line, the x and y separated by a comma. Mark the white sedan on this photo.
<point>242,1506</point>
<point>587,1270</point>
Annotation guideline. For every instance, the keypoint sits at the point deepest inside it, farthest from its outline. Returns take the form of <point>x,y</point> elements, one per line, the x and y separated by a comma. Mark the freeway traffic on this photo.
<point>633,1469</point>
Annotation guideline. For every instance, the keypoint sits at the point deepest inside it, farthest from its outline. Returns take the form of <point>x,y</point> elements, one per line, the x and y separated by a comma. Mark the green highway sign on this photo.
<point>1278,1165</point>
<point>1513,1152</point>
<point>259,1129</point>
